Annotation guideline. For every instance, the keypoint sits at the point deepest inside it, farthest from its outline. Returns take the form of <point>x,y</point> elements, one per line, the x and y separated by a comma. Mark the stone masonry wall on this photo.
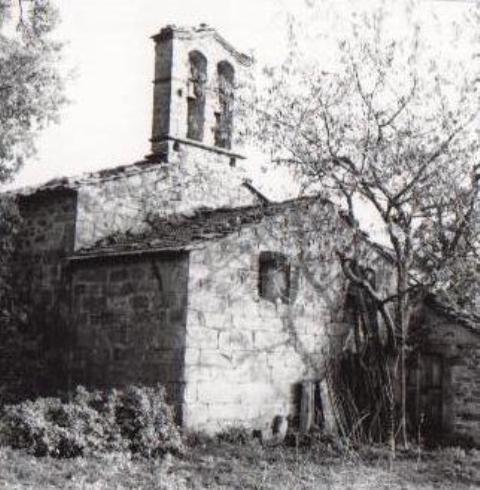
<point>172,85</point>
<point>47,238</point>
<point>466,385</point>
<point>129,317</point>
<point>194,178</point>
<point>460,350</point>
<point>245,354</point>
<point>188,174</point>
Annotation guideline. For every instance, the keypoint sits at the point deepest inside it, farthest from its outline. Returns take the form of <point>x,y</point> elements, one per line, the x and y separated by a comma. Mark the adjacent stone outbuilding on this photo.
<point>444,380</point>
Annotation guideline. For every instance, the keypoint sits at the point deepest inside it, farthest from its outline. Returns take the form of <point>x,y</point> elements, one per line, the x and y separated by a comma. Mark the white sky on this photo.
<point>108,121</point>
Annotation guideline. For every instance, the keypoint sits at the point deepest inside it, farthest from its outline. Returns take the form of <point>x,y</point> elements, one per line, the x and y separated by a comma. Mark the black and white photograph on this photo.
<point>240,244</point>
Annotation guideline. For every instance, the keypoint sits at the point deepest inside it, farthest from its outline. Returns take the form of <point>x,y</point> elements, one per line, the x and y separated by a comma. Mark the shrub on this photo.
<point>18,344</point>
<point>235,435</point>
<point>137,419</point>
<point>198,439</point>
<point>146,421</point>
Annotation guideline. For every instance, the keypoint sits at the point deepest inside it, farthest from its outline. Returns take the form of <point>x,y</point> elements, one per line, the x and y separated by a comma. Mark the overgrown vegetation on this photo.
<point>31,84</point>
<point>210,463</point>
<point>18,347</point>
<point>128,439</point>
<point>31,95</point>
<point>384,121</point>
<point>136,420</point>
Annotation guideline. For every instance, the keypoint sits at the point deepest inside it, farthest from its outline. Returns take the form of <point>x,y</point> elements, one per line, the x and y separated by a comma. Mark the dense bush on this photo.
<point>137,419</point>
<point>17,359</point>
<point>235,435</point>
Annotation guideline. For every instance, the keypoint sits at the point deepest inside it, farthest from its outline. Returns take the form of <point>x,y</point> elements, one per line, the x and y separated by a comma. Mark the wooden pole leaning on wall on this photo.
<point>307,406</point>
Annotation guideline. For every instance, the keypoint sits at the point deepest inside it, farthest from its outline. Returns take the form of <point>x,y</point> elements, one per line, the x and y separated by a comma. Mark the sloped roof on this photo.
<point>467,319</point>
<point>181,232</point>
<point>172,30</point>
<point>184,232</point>
<point>88,178</point>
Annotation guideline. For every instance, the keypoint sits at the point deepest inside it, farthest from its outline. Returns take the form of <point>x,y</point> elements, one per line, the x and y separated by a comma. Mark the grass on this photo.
<point>214,464</point>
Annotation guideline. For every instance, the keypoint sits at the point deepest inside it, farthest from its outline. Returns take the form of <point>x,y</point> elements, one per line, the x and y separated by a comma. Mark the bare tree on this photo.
<point>392,127</point>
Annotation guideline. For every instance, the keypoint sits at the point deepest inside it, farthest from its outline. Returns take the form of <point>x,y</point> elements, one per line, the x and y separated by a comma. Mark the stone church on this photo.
<point>179,270</point>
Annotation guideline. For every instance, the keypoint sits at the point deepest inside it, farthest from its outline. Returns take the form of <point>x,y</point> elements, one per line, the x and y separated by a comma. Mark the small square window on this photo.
<point>274,277</point>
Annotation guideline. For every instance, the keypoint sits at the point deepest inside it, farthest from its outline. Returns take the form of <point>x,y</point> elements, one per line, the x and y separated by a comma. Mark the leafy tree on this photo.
<point>389,125</point>
<point>31,86</point>
<point>31,93</point>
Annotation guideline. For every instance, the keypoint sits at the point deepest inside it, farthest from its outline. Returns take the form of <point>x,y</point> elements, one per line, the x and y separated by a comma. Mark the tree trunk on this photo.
<point>402,322</point>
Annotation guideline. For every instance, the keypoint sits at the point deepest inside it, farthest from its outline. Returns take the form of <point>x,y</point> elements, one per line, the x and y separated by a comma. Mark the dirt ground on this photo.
<point>223,464</point>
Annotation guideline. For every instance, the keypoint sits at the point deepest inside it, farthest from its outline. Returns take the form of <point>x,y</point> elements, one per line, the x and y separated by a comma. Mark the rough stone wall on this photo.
<point>162,89</point>
<point>466,392</point>
<point>129,317</point>
<point>46,239</point>
<point>460,351</point>
<point>194,178</point>
<point>244,354</point>
<point>49,222</point>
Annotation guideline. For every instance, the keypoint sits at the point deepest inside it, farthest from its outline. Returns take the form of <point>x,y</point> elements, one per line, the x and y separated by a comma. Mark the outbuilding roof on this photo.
<point>202,30</point>
<point>463,317</point>
<point>181,232</point>
<point>89,178</point>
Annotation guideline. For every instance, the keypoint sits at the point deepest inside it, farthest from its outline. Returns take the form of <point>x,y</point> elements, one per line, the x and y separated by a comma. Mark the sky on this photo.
<point>109,55</point>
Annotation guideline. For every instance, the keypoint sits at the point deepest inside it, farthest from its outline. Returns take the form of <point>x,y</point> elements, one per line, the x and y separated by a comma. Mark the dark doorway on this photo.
<point>425,387</point>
